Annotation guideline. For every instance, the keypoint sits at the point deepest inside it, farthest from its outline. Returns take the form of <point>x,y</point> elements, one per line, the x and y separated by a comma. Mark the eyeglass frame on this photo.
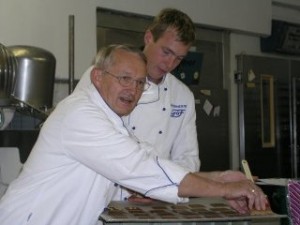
<point>129,81</point>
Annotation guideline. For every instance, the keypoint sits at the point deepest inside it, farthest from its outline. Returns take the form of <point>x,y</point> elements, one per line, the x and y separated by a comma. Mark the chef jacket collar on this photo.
<point>152,93</point>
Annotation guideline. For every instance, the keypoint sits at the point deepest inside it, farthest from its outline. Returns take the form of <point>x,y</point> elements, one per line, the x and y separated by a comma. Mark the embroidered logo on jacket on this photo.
<point>177,110</point>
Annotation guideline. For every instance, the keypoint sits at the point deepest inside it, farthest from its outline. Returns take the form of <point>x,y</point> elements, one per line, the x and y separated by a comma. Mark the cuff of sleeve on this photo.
<point>167,194</point>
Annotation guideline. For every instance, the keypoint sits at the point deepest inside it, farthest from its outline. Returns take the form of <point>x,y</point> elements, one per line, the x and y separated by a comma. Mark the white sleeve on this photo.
<point>98,143</point>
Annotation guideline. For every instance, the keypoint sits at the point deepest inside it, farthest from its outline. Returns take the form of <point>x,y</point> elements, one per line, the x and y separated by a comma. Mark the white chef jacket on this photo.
<point>82,151</point>
<point>166,118</point>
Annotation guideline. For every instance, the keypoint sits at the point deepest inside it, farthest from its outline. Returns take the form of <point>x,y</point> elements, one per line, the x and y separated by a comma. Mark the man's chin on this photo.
<point>127,111</point>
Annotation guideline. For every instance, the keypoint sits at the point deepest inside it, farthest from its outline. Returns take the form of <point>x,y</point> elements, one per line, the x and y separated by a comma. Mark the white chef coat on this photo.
<point>166,118</point>
<point>82,151</point>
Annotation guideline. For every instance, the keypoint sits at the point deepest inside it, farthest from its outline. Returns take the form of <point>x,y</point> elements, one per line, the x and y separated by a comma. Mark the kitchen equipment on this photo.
<point>34,78</point>
<point>7,75</point>
<point>269,118</point>
<point>6,116</point>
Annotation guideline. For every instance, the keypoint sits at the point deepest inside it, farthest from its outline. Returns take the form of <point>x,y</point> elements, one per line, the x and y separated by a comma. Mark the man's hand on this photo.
<point>244,196</point>
<point>137,198</point>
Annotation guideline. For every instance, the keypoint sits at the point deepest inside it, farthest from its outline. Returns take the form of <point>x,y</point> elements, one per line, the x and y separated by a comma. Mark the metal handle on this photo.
<point>71,53</point>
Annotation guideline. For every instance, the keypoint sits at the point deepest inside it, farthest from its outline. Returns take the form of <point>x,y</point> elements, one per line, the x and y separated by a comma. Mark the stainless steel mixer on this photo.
<point>34,80</point>
<point>27,76</point>
<point>7,75</point>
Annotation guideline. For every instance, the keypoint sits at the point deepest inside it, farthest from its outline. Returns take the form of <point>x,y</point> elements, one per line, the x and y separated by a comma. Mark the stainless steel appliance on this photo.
<point>7,75</point>
<point>34,80</point>
<point>27,76</point>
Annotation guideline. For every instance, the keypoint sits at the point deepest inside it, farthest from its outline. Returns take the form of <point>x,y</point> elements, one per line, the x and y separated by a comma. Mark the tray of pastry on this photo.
<point>196,210</point>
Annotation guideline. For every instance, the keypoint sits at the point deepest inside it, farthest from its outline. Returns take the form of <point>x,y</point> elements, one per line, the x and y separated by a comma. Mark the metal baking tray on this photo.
<point>196,210</point>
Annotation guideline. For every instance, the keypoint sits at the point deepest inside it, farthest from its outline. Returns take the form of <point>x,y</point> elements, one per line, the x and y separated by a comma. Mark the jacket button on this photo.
<point>160,132</point>
<point>164,109</point>
<point>133,128</point>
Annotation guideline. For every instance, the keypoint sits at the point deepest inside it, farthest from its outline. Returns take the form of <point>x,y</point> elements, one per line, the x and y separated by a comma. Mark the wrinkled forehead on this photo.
<point>129,64</point>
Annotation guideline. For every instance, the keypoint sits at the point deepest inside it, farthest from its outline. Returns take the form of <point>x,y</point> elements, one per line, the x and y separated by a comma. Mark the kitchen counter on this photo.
<point>197,211</point>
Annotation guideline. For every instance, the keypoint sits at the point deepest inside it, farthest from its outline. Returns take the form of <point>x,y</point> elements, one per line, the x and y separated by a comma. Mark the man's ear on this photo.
<point>148,37</point>
<point>96,75</point>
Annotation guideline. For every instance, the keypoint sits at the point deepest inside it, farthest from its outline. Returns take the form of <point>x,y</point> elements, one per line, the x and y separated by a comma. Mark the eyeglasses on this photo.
<point>126,81</point>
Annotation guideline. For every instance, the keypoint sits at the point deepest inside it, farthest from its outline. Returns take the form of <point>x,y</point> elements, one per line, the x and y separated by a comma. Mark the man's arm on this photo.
<point>242,195</point>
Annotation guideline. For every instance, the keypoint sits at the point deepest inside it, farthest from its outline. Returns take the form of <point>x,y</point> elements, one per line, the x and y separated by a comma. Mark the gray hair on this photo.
<point>105,57</point>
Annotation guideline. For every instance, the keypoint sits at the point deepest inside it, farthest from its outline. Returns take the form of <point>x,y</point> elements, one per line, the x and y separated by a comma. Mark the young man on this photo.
<point>165,115</point>
<point>83,150</point>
